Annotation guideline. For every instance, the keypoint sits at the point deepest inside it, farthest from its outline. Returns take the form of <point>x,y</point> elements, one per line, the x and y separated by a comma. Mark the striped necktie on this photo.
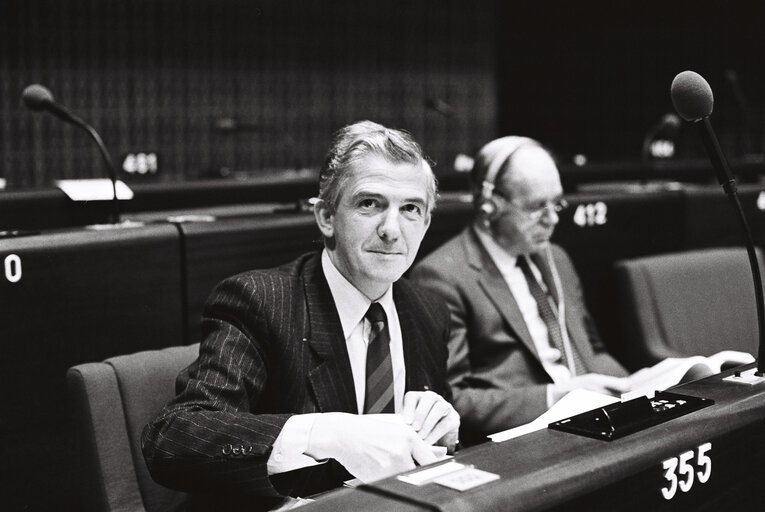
<point>550,318</point>
<point>379,388</point>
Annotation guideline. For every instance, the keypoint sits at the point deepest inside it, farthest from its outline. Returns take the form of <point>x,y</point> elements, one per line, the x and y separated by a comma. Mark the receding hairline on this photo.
<point>518,180</point>
<point>510,169</point>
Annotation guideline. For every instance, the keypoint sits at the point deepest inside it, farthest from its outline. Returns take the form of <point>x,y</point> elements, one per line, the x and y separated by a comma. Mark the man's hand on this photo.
<point>432,417</point>
<point>370,449</point>
<point>606,384</point>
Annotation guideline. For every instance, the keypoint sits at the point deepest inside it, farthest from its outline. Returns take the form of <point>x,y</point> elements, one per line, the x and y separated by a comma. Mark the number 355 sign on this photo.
<point>682,471</point>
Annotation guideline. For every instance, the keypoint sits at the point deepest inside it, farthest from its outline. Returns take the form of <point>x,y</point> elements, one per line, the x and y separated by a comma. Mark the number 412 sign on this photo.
<point>682,471</point>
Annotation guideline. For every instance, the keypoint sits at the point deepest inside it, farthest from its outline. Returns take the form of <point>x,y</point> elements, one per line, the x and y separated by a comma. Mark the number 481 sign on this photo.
<point>680,472</point>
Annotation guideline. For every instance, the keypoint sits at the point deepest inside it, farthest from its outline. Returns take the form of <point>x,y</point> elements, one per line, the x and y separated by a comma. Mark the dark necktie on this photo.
<point>550,318</point>
<point>379,389</point>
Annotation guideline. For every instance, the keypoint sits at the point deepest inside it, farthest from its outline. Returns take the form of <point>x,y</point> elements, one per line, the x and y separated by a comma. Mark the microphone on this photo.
<point>38,98</point>
<point>693,99</point>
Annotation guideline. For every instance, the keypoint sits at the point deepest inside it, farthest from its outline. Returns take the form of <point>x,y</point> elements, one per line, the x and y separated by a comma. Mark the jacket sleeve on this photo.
<point>486,401</point>
<point>208,439</point>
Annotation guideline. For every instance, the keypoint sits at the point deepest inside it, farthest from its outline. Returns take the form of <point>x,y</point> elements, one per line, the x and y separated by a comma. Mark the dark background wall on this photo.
<point>594,77</point>
<point>226,86</point>
<point>255,87</point>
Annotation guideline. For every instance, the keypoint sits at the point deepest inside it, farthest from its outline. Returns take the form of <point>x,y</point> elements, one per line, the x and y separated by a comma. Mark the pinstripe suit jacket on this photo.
<point>274,346</point>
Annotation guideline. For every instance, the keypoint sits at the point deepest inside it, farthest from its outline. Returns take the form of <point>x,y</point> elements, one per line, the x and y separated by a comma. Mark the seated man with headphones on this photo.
<point>521,335</point>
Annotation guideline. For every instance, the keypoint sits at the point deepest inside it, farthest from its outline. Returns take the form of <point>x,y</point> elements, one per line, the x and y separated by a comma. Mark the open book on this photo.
<point>678,370</point>
<point>644,382</point>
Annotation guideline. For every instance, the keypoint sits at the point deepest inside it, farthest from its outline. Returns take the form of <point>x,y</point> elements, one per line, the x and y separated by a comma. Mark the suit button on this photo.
<point>247,450</point>
<point>236,450</point>
<point>228,449</point>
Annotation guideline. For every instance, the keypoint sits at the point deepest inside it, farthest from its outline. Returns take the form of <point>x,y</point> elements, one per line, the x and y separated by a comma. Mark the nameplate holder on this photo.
<point>94,190</point>
<point>624,418</point>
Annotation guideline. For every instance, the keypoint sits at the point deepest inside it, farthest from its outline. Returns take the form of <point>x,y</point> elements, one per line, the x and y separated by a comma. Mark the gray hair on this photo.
<point>355,142</point>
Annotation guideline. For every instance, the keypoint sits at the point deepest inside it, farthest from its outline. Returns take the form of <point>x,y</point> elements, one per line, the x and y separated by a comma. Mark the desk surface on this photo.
<point>550,469</point>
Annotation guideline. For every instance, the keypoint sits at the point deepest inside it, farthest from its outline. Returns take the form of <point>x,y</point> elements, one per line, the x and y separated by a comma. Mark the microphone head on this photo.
<point>36,96</point>
<point>692,96</point>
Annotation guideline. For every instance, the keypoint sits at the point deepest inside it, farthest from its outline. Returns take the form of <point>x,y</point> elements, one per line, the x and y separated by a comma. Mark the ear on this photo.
<point>324,218</point>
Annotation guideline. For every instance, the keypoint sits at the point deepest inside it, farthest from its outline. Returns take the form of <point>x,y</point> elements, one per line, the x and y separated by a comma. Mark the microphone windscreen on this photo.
<point>36,96</point>
<point>692,96</point>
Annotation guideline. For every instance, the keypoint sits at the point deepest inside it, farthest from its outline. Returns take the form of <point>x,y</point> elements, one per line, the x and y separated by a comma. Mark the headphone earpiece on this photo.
<point>489,208</point>
<point>497,152</point>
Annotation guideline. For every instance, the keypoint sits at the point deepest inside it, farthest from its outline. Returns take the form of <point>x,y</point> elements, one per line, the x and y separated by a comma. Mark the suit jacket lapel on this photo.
<point>495,287</point>
<point>331,379</point>
<point>417,342</point>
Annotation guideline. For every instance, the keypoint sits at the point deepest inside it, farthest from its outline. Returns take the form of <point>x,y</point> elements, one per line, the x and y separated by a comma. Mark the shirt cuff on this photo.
<point>291,443</point>
<point>550,401</point>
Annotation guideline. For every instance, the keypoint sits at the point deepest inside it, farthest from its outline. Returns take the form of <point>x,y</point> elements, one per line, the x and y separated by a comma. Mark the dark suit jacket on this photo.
<point>495,372</point>
<point>273,347</point>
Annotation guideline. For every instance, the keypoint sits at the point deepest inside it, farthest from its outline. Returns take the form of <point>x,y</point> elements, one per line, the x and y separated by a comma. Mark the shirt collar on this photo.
<point>351,304</point>
<point>504,260</point>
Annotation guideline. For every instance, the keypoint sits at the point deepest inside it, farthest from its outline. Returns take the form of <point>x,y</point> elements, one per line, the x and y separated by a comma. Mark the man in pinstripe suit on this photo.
<point>271,407</point>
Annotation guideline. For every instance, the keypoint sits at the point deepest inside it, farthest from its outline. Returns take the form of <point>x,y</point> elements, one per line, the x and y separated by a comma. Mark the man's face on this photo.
<point>532,186</point>
<point>381,217</point>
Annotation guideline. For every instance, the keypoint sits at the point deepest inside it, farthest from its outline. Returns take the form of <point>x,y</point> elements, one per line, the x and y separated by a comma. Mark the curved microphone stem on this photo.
<point>758,295</point>
<point>109,164</point>
<point>725,177</point>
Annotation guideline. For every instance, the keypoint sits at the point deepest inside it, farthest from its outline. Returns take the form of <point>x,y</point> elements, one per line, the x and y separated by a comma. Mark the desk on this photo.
<point>70,297</point>
<point>551,470</point>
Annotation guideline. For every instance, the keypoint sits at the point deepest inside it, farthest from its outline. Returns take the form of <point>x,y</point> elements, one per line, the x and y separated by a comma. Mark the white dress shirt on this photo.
<point>516,281</point>
<point>352,305</point>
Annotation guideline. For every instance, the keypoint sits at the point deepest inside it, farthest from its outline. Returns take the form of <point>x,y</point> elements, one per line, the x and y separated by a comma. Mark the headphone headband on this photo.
<point>496,154</point>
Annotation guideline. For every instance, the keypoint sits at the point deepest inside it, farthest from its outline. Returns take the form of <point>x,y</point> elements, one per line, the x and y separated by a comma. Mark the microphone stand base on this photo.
<point>748,377</point>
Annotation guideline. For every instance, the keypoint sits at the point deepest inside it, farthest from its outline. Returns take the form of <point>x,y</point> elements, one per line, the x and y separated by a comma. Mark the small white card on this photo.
<point>425,476</point>
<point>465,479</point>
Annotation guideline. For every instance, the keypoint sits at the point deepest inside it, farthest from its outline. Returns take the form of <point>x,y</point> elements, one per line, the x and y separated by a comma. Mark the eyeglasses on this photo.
<point>536,212</point>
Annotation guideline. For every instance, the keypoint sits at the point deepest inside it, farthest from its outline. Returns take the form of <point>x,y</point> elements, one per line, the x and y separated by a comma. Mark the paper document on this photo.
<point>644,382</point>
<point>677,370</point>
<point>575,402</point>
